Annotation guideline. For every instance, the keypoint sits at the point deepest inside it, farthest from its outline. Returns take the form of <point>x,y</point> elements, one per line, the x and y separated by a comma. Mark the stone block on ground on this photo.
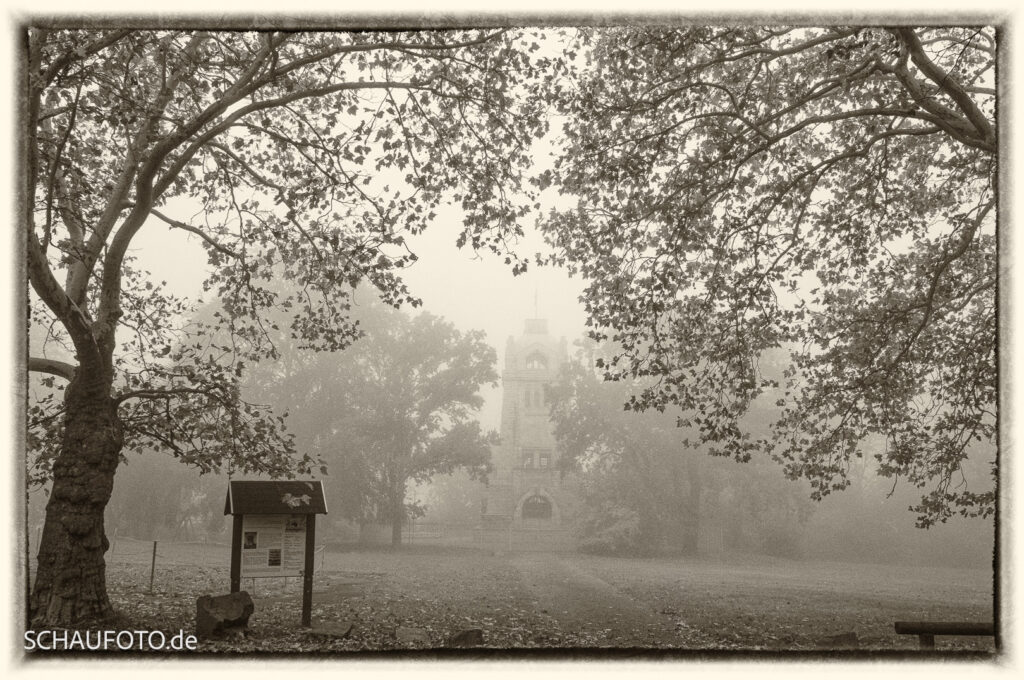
<point>223,614</point>
<point>412,635</point>
<point>470,637</point>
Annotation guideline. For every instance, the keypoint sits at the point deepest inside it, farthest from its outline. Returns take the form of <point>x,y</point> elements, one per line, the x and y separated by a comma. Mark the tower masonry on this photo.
<point>527,492</point>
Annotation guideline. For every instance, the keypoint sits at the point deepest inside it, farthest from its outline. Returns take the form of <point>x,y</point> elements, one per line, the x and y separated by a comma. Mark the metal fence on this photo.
<point>473,535</point>
<point>125,550</point>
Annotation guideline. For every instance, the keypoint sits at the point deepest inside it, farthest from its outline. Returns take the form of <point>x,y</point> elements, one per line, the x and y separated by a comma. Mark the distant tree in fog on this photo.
<point>161,498</point>
<point>397,406</point>
<point>648,485</point>
<point>640,485</point>
<point>454,498</point>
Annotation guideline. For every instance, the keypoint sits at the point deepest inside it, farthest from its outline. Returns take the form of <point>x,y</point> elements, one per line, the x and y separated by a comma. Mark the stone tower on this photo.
<point>527,492</point>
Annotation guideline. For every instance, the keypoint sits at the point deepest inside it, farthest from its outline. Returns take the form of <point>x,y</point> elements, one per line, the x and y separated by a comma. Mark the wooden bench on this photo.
<point>927,630</point>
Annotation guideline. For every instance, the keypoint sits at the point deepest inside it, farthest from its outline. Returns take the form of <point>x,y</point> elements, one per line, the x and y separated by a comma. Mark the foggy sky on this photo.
<point>471,290</point>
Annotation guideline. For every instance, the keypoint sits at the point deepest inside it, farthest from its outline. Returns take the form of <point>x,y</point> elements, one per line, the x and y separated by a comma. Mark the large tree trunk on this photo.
<point>70,583</point>
<point>693,509</point>
<point>397,515</point>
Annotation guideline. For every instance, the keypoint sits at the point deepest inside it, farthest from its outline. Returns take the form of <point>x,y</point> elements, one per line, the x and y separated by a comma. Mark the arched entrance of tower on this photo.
<point>537,509</point>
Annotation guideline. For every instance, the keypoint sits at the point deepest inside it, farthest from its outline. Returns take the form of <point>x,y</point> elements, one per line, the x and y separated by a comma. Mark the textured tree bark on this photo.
<point>397,515</point>
<point>693,511</point>
<point>70,582</point>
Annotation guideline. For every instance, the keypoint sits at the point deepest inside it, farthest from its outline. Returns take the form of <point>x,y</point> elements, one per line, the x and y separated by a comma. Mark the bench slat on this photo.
<point>944,628</point>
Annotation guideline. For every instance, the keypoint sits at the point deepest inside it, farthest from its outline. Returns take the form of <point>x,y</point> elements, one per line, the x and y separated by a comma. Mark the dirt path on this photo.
<point>584,604</point>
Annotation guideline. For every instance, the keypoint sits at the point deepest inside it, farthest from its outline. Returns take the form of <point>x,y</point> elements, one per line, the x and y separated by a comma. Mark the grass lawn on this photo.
<point>558,601</point>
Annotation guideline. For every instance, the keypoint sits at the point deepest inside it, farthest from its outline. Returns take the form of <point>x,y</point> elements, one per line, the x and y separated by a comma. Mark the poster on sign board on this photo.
<point>273,545</point>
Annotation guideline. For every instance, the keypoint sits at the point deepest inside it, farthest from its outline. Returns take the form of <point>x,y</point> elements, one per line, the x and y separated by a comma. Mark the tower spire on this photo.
<point>535,315</point>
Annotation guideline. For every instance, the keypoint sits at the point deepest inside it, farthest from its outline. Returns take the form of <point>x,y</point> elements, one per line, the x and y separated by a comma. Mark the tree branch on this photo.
<point>168,176</point>
<point>73,318</point>
<point>71,56</point>
<point>61,369</point>
<point>166,394</point>
<point>197,231</point>
<point>948,258</point>
<point>107,307</point>
<point>948,84</point>
<point>974,129</point>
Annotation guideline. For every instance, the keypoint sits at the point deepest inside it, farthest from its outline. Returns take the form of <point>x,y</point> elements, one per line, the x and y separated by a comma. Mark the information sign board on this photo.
<point>274,531</point>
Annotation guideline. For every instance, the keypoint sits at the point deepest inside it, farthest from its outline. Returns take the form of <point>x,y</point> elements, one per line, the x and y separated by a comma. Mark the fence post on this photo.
<point>152,569</point>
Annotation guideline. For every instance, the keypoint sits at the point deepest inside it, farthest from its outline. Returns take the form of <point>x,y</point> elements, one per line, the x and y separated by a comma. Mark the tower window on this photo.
<point>533,396</point>
<point>536,457</point>
<point>536,360</point>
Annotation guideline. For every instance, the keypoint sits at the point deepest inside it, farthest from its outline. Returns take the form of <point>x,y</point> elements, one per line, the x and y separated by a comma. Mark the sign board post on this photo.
<point>273,533</point>
<point>236,554</point>
<point>307,572</point>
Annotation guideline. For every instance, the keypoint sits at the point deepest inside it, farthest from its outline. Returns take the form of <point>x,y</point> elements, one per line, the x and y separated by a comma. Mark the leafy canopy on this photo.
<point>830,191</point>
<point>305,156</point>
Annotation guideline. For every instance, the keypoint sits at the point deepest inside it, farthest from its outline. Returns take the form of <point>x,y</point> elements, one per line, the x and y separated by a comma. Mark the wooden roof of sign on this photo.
<point>275,498</point>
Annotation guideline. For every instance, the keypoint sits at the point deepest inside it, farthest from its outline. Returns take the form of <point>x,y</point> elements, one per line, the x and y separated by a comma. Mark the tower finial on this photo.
<point>535,314</point>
